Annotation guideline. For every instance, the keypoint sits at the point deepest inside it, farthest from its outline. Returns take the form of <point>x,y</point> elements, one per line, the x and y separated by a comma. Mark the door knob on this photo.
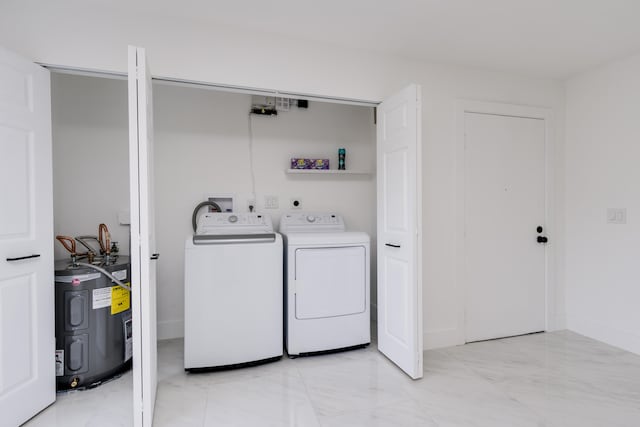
<point>542,239</point>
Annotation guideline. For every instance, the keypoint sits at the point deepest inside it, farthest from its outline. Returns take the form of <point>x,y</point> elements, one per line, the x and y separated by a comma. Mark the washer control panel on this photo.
<point>234,223</point>
<point>311,222</point>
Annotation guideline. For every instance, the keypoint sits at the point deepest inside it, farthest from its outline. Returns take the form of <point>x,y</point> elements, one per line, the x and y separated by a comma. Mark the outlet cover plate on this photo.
<point>271,202</point>
<point>616,215</point>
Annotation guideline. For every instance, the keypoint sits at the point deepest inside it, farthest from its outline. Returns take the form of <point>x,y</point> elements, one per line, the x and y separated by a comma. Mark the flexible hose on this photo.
<point>194,217</point>
<point>106,273</point>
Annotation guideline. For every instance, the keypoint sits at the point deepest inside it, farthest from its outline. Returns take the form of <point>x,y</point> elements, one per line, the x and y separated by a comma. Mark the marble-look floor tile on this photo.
<point>406,413</point>
<point>351,384</point>
<point>179,406</point>
<point>273,400</point>
<point>565,401</point>
<point>558,379</point>
<point>466,399</point>
<point>110,404</point>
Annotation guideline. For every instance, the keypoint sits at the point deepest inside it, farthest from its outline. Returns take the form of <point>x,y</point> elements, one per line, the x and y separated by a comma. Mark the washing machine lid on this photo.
<point>311,222</point>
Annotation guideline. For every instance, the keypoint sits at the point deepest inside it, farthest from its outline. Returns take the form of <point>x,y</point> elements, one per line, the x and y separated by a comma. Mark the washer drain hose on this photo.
<point>194,217</point>
<point>106,273</point>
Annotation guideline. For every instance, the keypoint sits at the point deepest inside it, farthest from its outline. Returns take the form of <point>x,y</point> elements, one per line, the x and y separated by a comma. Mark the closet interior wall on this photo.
<point>202,148</point>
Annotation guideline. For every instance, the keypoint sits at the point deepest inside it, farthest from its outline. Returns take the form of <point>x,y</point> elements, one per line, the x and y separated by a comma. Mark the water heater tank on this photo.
<point>93,324</point>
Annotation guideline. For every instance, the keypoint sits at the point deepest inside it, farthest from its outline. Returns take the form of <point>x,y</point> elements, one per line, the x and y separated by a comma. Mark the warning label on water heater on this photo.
<point>119,299</point>
<point>101,298</point>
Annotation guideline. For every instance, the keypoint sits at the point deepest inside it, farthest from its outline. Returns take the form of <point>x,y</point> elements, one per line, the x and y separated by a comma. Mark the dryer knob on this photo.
<point>233,218</point>
<point>311,218</point>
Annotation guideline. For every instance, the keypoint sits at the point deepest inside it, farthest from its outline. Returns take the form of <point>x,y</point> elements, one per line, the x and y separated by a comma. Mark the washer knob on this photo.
<point>233,218</point>
<point>311,218</point>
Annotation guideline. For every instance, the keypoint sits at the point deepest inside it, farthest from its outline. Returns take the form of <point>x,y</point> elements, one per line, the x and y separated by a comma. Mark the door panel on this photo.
<point>16,92</point>
<point>27,340</point>
<point>16,306</point>
<point>504,204</point>
<point>399,224</point>
<point>396,298</point>
<point>143,269</point>
<point>396,191</point>
<point>330,282</point>
<point>16,175</point>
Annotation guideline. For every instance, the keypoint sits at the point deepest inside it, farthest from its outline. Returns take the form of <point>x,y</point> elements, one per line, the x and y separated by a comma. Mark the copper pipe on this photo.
<point>69,243</point>
<point>108,243</point>
<point>103,232</point>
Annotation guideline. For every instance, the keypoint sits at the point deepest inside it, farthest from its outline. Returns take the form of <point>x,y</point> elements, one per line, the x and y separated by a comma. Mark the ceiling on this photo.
<point>546,38</point>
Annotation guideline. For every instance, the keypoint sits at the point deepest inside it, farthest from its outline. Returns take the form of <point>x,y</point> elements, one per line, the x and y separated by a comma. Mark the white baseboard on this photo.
<point>621,338</point>
<point>169,329</point>
<point>441,338</point>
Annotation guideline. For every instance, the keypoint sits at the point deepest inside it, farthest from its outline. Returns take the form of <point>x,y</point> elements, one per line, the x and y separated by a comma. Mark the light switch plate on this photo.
<point>616,215</point>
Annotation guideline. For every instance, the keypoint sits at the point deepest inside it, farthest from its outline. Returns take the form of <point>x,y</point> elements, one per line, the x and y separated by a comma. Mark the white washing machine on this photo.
<point>326,284</point>
<point>233,300</point>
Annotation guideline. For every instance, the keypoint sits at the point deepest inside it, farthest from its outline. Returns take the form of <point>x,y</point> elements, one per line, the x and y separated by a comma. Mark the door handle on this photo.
<point>154,256</point>
<point>20,258</point>
<point>542,239</point>
<point>391,245</point>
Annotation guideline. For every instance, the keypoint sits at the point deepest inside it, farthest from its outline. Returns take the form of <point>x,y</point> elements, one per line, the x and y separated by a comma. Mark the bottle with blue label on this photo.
<point>341,158</point>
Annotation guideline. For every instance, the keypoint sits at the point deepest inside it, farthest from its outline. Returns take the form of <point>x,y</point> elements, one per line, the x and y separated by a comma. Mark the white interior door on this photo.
<point>143,256</point>
<point>504,206</point>
<point>27,336</point>
<point>399,230</point>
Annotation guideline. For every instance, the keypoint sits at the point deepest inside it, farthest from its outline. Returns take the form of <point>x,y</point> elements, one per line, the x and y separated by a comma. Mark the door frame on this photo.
<point>552,317</point>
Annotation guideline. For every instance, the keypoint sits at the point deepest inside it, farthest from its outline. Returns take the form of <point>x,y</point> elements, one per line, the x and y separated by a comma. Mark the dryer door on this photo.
<point>330,282</point>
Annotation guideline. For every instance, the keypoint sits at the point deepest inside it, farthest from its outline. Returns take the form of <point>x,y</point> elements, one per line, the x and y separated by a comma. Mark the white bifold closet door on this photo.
<point>27,336</point>
<point>399,229</point>
<point>143,256</point>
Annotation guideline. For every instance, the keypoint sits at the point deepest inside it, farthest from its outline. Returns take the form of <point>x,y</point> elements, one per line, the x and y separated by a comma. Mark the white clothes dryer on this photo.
<point>233,292</point>
<point>327,281</point>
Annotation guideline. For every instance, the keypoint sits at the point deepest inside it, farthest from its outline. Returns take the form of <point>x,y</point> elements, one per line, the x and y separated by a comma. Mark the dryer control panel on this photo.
<point>311,222</point>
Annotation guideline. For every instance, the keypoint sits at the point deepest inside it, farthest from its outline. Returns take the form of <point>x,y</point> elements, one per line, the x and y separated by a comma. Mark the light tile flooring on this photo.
<point>552,379</point>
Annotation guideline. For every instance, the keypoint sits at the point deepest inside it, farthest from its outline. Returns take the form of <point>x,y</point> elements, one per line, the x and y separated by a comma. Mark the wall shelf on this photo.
<point>326,172</point>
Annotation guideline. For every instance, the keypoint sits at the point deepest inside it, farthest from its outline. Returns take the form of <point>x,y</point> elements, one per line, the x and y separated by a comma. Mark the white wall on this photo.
<point>603,149</point>
<point>220,54</point>
<point>202,148</point>
<point>90,157</point>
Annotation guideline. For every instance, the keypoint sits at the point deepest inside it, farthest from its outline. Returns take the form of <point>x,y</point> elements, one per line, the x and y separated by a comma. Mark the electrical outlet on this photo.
<point>251,205</point>
<point>271,202</point>
<point>296,203</point>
